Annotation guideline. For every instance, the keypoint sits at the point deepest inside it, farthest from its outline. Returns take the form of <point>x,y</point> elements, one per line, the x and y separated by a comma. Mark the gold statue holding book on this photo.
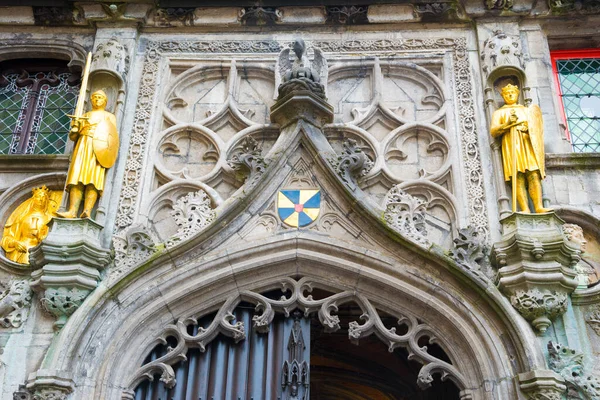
<point>522,134</point>
<point>96,147</point>
<point>27,226</point>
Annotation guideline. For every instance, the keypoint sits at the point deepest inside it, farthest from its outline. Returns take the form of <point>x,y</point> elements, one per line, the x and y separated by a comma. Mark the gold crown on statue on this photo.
<point>508,87</point>
<point>43,189</point>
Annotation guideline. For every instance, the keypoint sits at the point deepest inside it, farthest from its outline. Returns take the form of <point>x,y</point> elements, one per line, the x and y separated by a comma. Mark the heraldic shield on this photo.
<point>106,143</point>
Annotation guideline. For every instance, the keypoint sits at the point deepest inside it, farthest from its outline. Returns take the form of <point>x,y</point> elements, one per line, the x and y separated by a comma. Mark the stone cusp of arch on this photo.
<point>13,197</point>
<point>105,342</point>
<point>67,50</point>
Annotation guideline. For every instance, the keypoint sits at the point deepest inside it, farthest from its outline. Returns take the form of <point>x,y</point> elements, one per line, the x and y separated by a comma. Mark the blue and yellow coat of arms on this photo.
<point>299,207</point>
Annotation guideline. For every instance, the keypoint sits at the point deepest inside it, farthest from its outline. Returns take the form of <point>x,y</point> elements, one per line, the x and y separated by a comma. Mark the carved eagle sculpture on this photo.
<point>300,72</point>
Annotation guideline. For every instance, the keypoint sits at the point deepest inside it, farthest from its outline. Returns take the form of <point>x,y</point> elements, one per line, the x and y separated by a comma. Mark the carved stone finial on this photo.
<point>501,50</point>
<point>14,304</point>
<point>352,164</point>
<point>247,158</point>
<point>295,375</point>
<point>192,213</point>
<point>406,214</point>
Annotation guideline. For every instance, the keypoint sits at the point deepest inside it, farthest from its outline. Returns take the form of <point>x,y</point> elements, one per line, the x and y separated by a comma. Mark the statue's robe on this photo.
<point>529,149</point>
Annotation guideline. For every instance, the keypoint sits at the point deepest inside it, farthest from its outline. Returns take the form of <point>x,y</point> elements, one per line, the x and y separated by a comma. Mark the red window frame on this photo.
<point>566,55</point>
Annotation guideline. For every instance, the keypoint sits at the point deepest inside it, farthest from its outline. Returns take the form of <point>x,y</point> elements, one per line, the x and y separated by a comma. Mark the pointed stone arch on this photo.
<point>106,340</point>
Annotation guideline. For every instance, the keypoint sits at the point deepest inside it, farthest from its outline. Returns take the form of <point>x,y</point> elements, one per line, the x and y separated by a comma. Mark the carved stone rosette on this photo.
<point>68,265</point>
<point>535,266</point>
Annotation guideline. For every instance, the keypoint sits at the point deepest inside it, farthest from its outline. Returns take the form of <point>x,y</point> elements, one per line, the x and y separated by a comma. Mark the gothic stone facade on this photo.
<point>413,219</point>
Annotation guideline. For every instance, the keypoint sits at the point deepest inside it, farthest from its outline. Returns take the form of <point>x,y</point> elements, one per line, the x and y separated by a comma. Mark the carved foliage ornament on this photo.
<point>14,304</point>
<point>477,209</point>
<point>260,15</point>
<point>352,164</point>
<point>499,4</point>
<point>133,247</point>
<point>593,319</point>
<point>469,250</point>
<point>62,302</point>
<point>568,363</point>
<point>406,214</point>
<point>539,306</point>
<point>192,213</point>
<point>350,15</point>
<point>247,158</point>
<point>298,297</point>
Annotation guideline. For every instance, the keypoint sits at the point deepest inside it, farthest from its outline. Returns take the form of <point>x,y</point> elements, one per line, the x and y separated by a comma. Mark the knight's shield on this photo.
<point>106,143</point>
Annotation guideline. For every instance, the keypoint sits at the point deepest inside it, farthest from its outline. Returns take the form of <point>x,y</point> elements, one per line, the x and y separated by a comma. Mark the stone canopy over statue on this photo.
<point>522,132</point>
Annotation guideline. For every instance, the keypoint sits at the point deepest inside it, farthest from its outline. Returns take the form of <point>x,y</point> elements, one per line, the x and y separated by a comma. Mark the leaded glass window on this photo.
<point>579,85</point>
<point>35,99</point>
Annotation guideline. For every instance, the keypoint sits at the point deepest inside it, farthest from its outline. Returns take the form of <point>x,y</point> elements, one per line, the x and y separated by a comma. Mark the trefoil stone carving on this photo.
<point>192,213</point>
<point>406,214</point>
<point>14,304</point>
<point>352,164</point>
<point>569,364</point>
<point>247,158</point>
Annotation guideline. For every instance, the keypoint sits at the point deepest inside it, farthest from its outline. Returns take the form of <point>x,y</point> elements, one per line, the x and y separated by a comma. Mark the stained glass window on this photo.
<point>35,99</point>
<point>578,77</point>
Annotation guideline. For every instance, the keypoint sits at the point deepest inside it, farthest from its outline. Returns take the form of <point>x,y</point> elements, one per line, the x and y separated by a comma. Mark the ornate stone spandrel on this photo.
<point>521,130</point>
<point>535,266</point>
<point>15,302</point>
<point>96,149</point>
<point>27,225</point>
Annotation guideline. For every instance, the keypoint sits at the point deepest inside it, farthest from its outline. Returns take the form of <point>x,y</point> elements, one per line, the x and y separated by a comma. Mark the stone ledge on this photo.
<point>38,163</point>
<point>573,160</point>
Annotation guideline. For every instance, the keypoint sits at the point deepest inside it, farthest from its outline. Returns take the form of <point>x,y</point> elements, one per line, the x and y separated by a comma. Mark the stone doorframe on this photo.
<point>102,347</point>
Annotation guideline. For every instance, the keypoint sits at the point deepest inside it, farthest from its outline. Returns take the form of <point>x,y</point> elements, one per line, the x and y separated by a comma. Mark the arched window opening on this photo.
<point>36,97</point>
<point>299,353</point>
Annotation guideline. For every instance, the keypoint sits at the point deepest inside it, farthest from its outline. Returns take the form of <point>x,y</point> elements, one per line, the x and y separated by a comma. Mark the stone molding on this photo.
<point>542,385</point>
<point>49,385</point>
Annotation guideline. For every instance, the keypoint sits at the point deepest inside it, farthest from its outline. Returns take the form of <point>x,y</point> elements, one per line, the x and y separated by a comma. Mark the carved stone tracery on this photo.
<point>297,297</point>
<point>156,50</point>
